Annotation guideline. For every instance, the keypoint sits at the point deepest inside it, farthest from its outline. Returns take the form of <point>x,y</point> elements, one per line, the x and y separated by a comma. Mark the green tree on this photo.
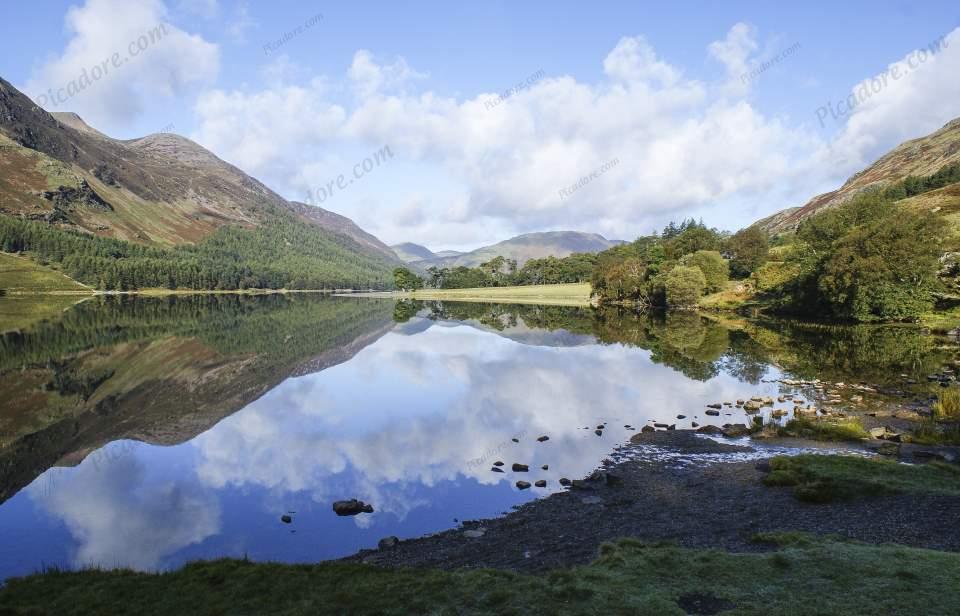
<point>683,286</point>
<point>748,250</point>
<point>715,268</point>
<point>406,280</point>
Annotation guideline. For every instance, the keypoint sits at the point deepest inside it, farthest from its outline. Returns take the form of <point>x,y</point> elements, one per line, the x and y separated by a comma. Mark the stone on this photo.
<point>476,533</point>
<point>598,432</point>
<point>543,438</point>
<point>496,469</point>
<point>752,406</point>
<point>878,432</point>
<point>662,426</point>
<point>713,413</point>
<point>735,430</point>
<point>545,467</point>
<point>286,519</point>
<point>519,468</point>
<point>564,481</point>
<point>498,463</point>
<point>540,483</point>
<point>515,440</point>
<point>351,507</point>
<point>681,416</point>
<point>694,424</point>
<point>715,406</point>
<point>523,485</point>
<point>709,430</point>
<point>648,429</point>
<point>388,543</point>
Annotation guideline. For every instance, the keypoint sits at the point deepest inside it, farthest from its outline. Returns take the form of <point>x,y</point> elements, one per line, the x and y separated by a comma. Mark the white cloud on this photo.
<point>735,52</point>
<point>120,58</point>
<point>683,145</point>
<point>914,96</point>
<point>239,24</point>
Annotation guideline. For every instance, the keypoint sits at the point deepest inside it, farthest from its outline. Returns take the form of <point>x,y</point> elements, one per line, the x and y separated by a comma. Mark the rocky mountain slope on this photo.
<point>161,190</point>
<point>917,157</point>
<point>411,253</point>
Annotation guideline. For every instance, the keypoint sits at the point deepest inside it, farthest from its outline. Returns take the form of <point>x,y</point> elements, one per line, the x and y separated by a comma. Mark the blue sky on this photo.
<point>662,89</point>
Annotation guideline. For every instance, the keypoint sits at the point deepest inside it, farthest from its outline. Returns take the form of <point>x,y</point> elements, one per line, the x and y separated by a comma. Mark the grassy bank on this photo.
<point>823,479</point>
<point>804,576</point>
<point>577,294</point>
<point>21,275</point>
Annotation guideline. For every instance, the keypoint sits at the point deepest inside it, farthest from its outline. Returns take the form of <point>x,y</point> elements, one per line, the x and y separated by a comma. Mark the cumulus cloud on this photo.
<point>914,96</point>
<point>121,56</point>
<point>682,145</point>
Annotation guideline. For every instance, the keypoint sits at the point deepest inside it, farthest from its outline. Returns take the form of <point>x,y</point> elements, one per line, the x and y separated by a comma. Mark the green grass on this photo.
<point>947,406</point>
<point>21,275</point>
<point>19,312</point>
<point>811,576</point>
<point>577,294</point>
<point>822,479</point>
<point>825,429</point>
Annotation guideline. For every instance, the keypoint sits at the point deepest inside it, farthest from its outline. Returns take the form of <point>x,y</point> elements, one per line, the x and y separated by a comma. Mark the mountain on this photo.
<point>917,157</point>
<point>525,247</point>
<point>164,191</point>
<point>410,252</point>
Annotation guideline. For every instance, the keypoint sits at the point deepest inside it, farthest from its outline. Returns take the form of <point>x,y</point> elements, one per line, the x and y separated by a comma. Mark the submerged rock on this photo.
<point>351,507</point>
<point>496,469</point>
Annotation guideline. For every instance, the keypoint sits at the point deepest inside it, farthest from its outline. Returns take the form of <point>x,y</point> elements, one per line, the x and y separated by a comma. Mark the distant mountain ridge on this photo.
<point>522,248</point>
<point>916,157</point>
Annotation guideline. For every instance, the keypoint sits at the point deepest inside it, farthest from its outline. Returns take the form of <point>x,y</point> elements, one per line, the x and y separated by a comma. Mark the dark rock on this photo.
<point>496,469</point>
<point>523,485</point>
<point>598,432</point>
<point>540,483</point>
<point>713,413</point>
<point>710,430</point>
<point>543,438</point>
<point>564,481</point>
<point>519,468</point>
<point>286,519</point>
<point>661,425</point>
<point>545,467</point>
<point>694,424</point>
<point>648,429</point>
<point>515,440</point>
<point>498,463</point>
<point>388,543</point>
<point>351,507</point>
<point>681,416</point>
<point>715,406</point>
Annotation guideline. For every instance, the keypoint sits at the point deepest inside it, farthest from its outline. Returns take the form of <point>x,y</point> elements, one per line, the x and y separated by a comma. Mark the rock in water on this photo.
<point>543,438</point>
<point>351,507</point>
<point>520,468</point>
<point>564,481</point>
<point>286,519</point>
<point>523,485</point>
<point>540,483</point>
<point>496,469</point>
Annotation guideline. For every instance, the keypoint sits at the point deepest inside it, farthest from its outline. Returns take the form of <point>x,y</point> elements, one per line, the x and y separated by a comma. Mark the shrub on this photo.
<point>748,249</point>
<point>683,287</point>
<point>716,270</point>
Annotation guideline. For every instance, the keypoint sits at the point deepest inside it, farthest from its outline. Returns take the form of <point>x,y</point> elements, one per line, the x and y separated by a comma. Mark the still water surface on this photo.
<point>148,432</point>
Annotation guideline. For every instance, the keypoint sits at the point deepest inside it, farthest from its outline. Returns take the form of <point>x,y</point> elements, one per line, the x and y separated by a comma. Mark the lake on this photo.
<point>146,432</point>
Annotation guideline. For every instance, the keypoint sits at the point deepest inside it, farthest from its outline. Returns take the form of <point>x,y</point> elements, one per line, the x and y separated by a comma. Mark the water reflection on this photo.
<point>283,405</point>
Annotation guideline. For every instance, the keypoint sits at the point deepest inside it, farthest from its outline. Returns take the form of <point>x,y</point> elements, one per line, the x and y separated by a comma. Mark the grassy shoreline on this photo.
<point>574,294</point>
<point>804,575</point>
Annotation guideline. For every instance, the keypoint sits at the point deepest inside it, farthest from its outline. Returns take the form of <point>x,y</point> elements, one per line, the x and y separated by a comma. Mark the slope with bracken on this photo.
<point>161,190</point>
<point>915,158</point>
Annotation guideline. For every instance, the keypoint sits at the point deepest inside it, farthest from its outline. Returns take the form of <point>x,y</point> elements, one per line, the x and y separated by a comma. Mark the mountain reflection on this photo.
<point>273,406</point>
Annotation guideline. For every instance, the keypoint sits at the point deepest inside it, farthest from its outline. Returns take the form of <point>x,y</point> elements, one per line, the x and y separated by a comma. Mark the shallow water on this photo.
<point>148,432</point>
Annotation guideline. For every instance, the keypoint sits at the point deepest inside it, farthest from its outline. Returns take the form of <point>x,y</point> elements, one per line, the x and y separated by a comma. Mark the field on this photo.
<point>21,275</point>
<point>577,294</point>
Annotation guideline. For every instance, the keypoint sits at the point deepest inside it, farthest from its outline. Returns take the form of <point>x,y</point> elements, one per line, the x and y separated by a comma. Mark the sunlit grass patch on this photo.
<point>825,429</point>
<point>821,479</point>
